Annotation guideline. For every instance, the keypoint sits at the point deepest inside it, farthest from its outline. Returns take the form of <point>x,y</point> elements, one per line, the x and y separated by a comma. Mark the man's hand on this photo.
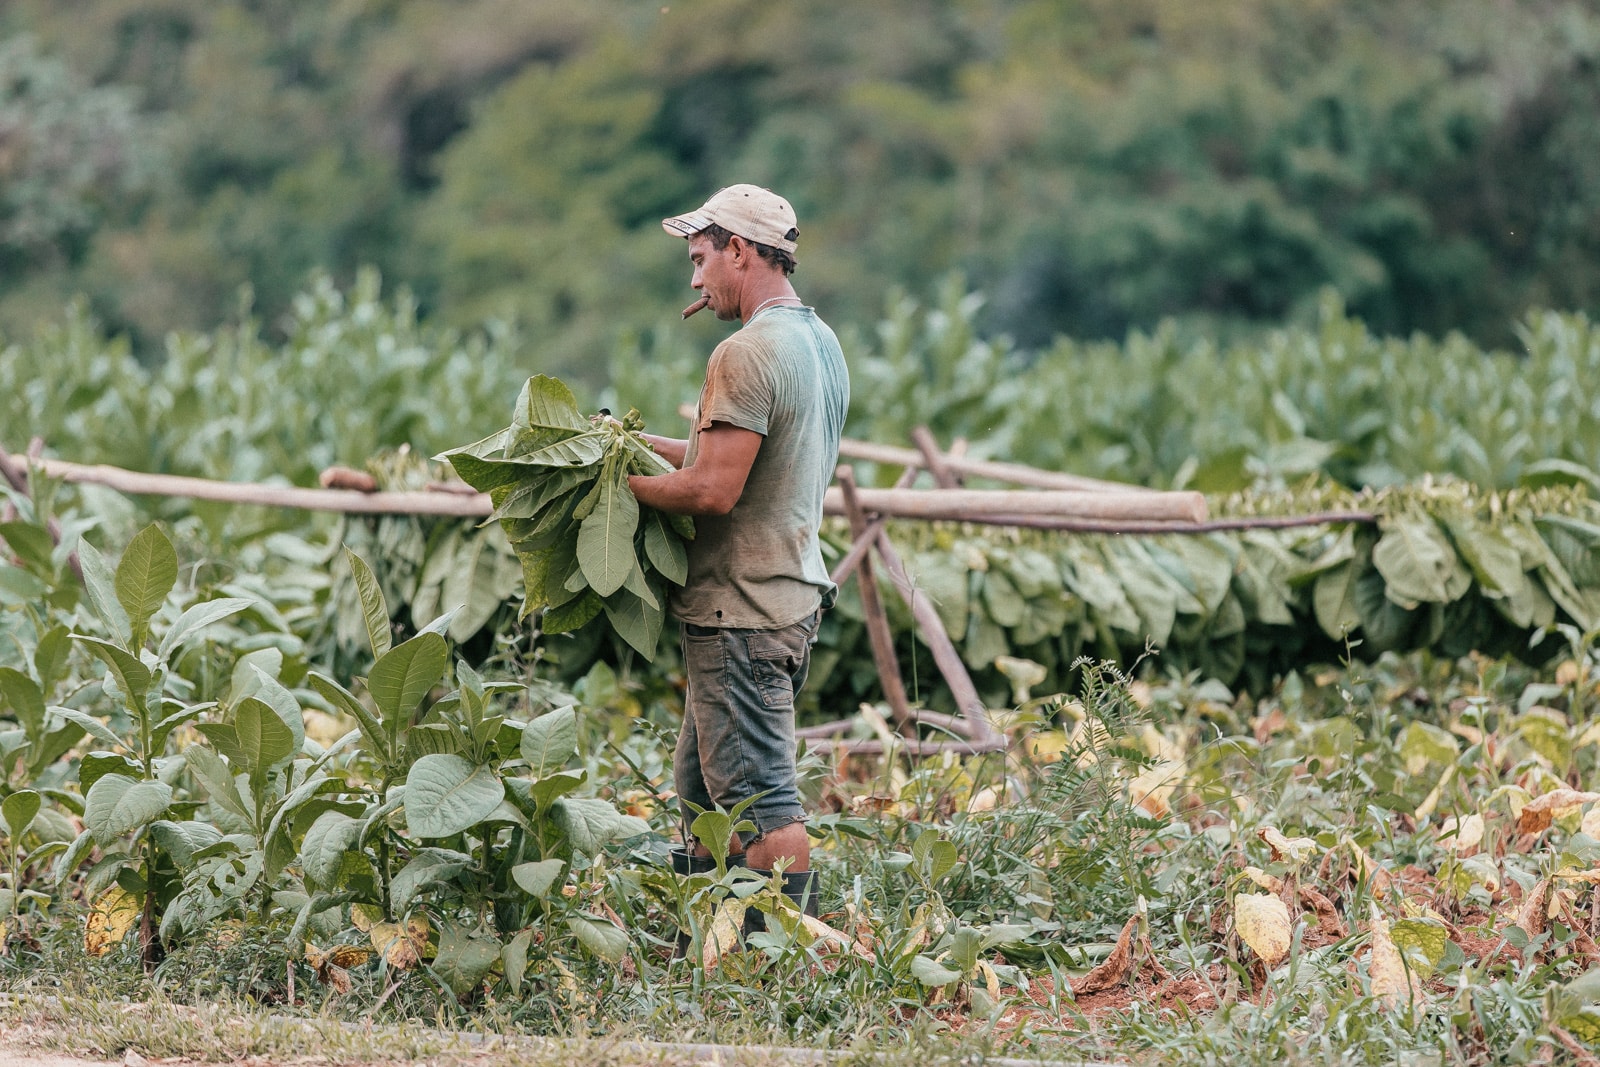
<point>713,484</point>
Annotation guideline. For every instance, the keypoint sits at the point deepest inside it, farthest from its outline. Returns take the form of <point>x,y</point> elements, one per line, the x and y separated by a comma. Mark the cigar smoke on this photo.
<point>698,305</point>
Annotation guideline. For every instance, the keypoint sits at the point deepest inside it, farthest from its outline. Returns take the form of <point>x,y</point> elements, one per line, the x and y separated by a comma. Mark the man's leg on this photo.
<point>788,845</point>
<point>741,698</point>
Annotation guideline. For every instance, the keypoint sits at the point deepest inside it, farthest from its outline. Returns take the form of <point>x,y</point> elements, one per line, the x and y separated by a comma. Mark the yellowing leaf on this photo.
<point>1391,981</point>
<point>1152,790</point>
<point>1541,811</point>
<point>401,948</point>
<point>1590,827</point>
<point>1462,836</point>
<point>112,916</point>
<point>1295,849</point>
<point>723,935</point>
<point>1263,923</point>
<point>1271,883</point>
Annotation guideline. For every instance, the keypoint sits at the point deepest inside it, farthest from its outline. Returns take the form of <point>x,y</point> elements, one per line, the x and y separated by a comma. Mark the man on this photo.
<point>762,450</point>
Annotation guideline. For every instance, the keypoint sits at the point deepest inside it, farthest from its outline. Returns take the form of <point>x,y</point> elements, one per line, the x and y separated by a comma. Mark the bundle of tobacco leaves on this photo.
<point>559,484</point>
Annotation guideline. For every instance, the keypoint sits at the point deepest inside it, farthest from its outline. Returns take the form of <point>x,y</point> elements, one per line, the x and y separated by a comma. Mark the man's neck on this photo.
<point>774,296</point>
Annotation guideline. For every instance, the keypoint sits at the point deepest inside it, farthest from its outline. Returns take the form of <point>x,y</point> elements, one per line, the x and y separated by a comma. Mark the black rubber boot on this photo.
<point>685,862</point>
<point>802,887</point>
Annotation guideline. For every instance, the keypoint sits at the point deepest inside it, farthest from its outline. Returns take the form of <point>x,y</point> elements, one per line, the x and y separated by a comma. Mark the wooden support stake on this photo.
<point>862,543</point>
<point>935,460</point>
<point>878,632</point>
<point>939,643</point>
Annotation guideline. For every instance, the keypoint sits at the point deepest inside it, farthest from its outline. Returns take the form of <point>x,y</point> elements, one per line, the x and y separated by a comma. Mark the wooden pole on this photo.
<point>278,496</point>
<point>878,632</point>
<point>944,651</point>
<point>1015,473</point>
<point>974,505</point>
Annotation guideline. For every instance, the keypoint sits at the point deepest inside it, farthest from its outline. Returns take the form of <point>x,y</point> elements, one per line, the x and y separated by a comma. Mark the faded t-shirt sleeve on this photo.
<point>738,389</point>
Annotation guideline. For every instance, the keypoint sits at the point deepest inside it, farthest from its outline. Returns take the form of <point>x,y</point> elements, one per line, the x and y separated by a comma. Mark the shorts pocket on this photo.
<point>773,665</point>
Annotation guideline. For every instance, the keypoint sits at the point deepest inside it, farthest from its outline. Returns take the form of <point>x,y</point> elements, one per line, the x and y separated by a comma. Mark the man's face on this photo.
<point>715,276</point>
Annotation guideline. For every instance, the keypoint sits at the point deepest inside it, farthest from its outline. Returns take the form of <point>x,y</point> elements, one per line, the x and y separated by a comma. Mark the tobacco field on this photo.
<point>1304,794</point>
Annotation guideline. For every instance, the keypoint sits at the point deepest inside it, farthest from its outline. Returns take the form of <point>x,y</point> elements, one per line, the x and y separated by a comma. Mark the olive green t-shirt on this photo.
<point>760,566</point>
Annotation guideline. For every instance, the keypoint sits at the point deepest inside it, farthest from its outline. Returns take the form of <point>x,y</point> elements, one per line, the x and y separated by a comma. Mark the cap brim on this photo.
<point>685,225</point>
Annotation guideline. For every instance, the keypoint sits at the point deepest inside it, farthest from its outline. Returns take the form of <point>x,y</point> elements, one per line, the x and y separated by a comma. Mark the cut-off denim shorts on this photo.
<point>738,721</point>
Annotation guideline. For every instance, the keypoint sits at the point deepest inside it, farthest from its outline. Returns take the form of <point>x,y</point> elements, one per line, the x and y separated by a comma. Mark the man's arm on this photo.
<point>713,485</point>
<point>670,449</point>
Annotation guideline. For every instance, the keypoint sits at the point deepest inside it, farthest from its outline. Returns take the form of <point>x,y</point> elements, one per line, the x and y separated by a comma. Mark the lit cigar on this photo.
<point>698,305</point>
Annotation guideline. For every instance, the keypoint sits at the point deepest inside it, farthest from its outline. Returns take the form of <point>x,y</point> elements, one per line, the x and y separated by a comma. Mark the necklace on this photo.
<point>771,302</point>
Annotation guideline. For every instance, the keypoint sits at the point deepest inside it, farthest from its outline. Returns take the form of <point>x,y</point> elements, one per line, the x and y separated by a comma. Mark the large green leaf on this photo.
<point>580,611</point>
<point>664,548</point>
<point>336,694</point>
<point>535,879</point>
<point>1333,599</point>
<point>427,866</point>
<point>590,823</point>
<point>118,805</point>
<point>31,544</point>
<point>133,677</point>
<point>447,794</point>
<point>403,676</point>
<point>101,585</point>
<point>1418,563</point>
<point>546,409</point>
<point>549,741</point>
<point>196,618</point>
<point>605,539</point>
<point>605,939</point>
<point>264,740</point>
<point>18,811</point>
<point>476,584</point>
<point>636,622</point>
<point>463,959</point>
<point>21,697</point>
<point>277,696</point>
<point>182,840</point>
<point>146,574</point>
<point>374,610</point>
<point>322,851</point>
<point>217,777</point>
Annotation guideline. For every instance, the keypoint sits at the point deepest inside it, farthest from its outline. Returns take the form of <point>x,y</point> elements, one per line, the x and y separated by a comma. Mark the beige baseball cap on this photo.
<point>754,213</point>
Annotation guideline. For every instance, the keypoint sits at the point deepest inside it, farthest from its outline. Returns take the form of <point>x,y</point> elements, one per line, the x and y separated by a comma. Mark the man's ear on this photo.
<point>740,250</point>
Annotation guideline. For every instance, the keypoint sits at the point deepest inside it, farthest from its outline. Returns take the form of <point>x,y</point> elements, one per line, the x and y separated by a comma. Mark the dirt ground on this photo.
<point>14,1055</point>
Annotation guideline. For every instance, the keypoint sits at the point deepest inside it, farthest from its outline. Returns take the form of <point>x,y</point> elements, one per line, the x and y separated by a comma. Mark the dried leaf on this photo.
<point>1379,880</point>
<point>1328,920</point>
<point>723,935</point>
<point>1263,923</point>
<point>1535,911</point>
<point>1115,968</point>
<point>1391,980</point>
<point>1541,811</point>
<point>112,916</point>
<point>332,965</point>
<point>401,949</point>
<point>1295,849</point>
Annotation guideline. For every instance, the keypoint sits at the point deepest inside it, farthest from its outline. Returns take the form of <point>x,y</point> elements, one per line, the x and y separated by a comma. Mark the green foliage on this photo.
<point>560,490</point>
<point>1101,166</point>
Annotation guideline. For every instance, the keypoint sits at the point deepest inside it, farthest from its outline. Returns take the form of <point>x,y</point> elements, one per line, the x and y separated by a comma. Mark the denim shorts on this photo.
<point>738,720</point>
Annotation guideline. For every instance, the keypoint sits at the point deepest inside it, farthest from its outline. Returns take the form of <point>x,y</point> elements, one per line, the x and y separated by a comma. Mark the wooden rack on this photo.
<point>1052,500</point>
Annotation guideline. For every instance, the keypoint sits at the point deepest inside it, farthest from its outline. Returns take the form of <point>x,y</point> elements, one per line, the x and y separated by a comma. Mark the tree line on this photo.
<point>1092,166</point>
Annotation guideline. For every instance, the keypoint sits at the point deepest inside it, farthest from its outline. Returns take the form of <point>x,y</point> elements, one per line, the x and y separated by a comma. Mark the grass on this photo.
<point>1360,767</point>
